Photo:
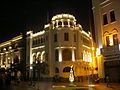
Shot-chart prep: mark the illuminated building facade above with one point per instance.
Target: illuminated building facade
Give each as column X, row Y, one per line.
column 107, row 30
column 12, row 51
column 61, row 44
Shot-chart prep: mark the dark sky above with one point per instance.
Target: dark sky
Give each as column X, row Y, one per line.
column 20, row 16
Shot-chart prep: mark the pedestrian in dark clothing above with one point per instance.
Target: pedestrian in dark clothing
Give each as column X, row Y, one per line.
column 108, row 81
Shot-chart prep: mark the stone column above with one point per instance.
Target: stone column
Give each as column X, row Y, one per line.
column 68, row 23
column 6, row 58
column 62, row 23
column 60, row 55
column 73, row 54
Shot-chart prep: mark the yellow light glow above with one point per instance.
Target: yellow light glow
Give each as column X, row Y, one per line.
column 42, row 55
column 111, row 41
column 29, row 32
column 73, row 55
column 39, row 33
column 8, row 57
column 87, row 57
column 17, row 38
column 83, row 32
column 86, row 46
column 9, row 41
column 60, row 55
column 93, row 48
column 98, row 52
column 65, row 47
column 47, row 25
column 31, row 67
column 59, row 16
column 5, row 43
column 38, row 47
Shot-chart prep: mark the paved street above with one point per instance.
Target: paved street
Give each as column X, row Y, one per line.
column 101, row 86
column 113, row 86
column 62, row 86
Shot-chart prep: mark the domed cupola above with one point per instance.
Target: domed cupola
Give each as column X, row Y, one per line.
column 63, row 20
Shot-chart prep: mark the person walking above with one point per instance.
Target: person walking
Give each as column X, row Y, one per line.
column 108, row 81
column 18, row 77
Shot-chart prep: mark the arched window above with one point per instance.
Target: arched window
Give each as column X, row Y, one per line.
column 115, row 36
column 66, row 36
column 115, row 39
column 55, row 24
column 59, row 23
column 33, row 42
column 65, row 23
column 66, row 69
column 41, row 39
column 34, row 57
column 56, row 55
column 107, row 41
column 71, row 24
column 66, row 55
column 39, row 57
column 106, row 36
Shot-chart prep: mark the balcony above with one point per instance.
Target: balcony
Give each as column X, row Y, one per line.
column 111, row 53
column 111, row 50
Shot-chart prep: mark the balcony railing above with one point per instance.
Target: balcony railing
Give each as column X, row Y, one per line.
column 111, row 50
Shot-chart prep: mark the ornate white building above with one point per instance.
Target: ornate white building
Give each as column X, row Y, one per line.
column 107, row 31
column 12, row 50
column 60, row 44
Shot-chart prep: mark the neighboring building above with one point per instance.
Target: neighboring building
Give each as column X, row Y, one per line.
column 60, row 45
column 12, row 52
column 107, row 31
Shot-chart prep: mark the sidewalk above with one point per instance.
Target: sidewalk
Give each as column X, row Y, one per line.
column 100, row 86
column 49, row 85
column 42, row 85
column 103, row 86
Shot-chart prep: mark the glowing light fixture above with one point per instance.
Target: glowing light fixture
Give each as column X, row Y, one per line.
column 60, row 55
column 71, row 76
column 31, row 67
column 111, row 41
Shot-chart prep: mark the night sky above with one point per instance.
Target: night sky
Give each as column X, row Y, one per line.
column 20, row 16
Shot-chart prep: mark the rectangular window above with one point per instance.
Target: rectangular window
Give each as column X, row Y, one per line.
column 112, row 16
column 56, row 55
column 105, row 20
column 107, row 41
column 55, row 37
column 74, row 37
column 41, row 40
column 115, row 39
column 66, row 36
column 33, row 42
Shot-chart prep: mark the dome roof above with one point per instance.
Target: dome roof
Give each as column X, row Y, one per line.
column 63, row 16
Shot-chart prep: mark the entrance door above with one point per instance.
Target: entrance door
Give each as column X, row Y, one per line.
column 114, row 73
